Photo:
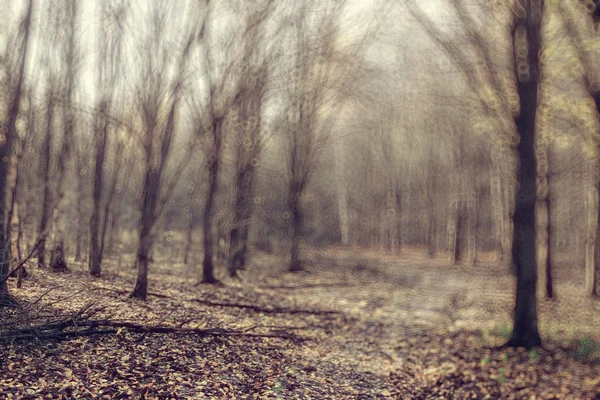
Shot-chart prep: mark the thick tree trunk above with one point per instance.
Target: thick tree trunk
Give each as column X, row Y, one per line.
column 525, row 329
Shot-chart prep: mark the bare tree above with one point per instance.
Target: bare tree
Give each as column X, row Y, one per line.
column 16, row 85
column 160, row 103
column 321, row 73
column 525, row 30
column 581, row 20
column 248, row 134
column 110, row 50
column 221, row 78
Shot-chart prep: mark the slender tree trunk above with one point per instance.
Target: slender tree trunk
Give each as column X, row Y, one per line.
column 96, row 231
column 525, row 330
column 431, row 234
column 22, row 272
column 238, row 236
column 295, row 264
column 592, row 268
column 398, row 221
column 45, row 173
column 476, row 245
column 593, row 249
column 549, row 261
column 207, row 264
column 431, row 222
column 189, row 239
column 80, row 221
column 213, row 171
column 496, row 199
column 341, row 193
column 58, row 262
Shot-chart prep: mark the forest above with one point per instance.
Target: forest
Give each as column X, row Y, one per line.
column 300, row 199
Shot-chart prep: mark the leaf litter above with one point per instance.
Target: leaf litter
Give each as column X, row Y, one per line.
column 355, row 326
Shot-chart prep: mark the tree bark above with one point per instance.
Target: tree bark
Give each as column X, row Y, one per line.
column 213, row 174
column 45, row 173
column 238, row 236
column 189, row 239
column 525, row 329
column 295, row 264
column 593, row 248
column 592, row 268
column 96, row 231
column 57, row 261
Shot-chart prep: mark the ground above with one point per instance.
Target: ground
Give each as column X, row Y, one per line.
column 356, row 325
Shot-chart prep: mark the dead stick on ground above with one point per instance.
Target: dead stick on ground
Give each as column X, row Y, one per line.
column 274, row 310
column 91, row 327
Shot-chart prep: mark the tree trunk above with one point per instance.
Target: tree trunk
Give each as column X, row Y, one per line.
column 207, row 264
column 208, row 275
column 295, row 264
column 238, row 236
column 189, row 239
column 141, row 285
column 398, row 221
column 45, row 172
column 592, row 260
column 525, row 329
column 57, row 261
column 148, row 218
column 80, row 221
column 431, row 234
column 96, row 231
column 592, row 267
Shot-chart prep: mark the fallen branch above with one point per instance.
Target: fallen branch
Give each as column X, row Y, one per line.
column 57, row 331
column 307, row 286
column 273, row 310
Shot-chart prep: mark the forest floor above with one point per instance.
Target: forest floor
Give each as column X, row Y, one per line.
column 355, row 325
